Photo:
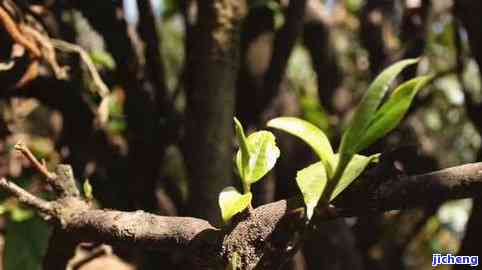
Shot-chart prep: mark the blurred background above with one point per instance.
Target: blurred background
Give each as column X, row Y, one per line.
column 161, row 138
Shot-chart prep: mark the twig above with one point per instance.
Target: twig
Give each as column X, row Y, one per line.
column 48, row 51
column 35, row 162
column 102, row 88
column 27, row 198
column 16, row 34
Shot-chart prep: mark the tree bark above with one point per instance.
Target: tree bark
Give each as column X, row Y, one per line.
column 213, row 69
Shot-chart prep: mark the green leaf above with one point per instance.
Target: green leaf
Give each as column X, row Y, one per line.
column 25, row 244
column 392, row 111
column 309, row 133
column 263, row 154
column 243, row 161
column 87, row 187
column 312, row 181
column 102, row 59
column 355, row 167
column 232, row 202
column 366, row 109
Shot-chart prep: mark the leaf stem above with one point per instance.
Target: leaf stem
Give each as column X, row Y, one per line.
column 333, row 182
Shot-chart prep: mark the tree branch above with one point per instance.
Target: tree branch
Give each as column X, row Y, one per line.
column 26, row 197
column 405, row 192
column 261, row 236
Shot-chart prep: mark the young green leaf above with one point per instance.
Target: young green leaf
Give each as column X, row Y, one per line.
column 307, row 132
column 311, row 181
column 354, row 168
column 368, row 106
column 87, row 187
column 263, row 154
column 243, row 146
column 392, row 111
column 232, row 202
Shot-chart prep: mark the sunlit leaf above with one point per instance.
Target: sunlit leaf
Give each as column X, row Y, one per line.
column 307, row 132
column 392, row 111
column 25, row 244
column 354, row 168
column 263, row 154
column 232, row 202
column 312, row 181
column 243, row 160
column 365, row 111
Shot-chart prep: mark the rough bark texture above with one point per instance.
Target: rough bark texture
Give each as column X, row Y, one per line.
column 210, row 103
column 263, row 238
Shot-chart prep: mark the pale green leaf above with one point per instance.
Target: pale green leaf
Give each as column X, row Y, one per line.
column 368, row 106
column 263, row 154
column 243, row 160
column 312, row 181
column 307, row 132
column 232, row 202
column 355, row 167
column 392, row 111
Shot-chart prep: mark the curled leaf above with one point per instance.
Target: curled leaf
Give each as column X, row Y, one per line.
column 243, row 146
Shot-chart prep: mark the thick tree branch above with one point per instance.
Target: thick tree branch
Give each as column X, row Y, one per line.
column 139, row 228
column 414, row 191
column 265, row 234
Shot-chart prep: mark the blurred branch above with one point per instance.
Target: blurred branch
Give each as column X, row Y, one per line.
column 146, row 138
column 371, row 32
column 284, row 42
column 102, row 88
column 15, row 32
column 152, row 40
